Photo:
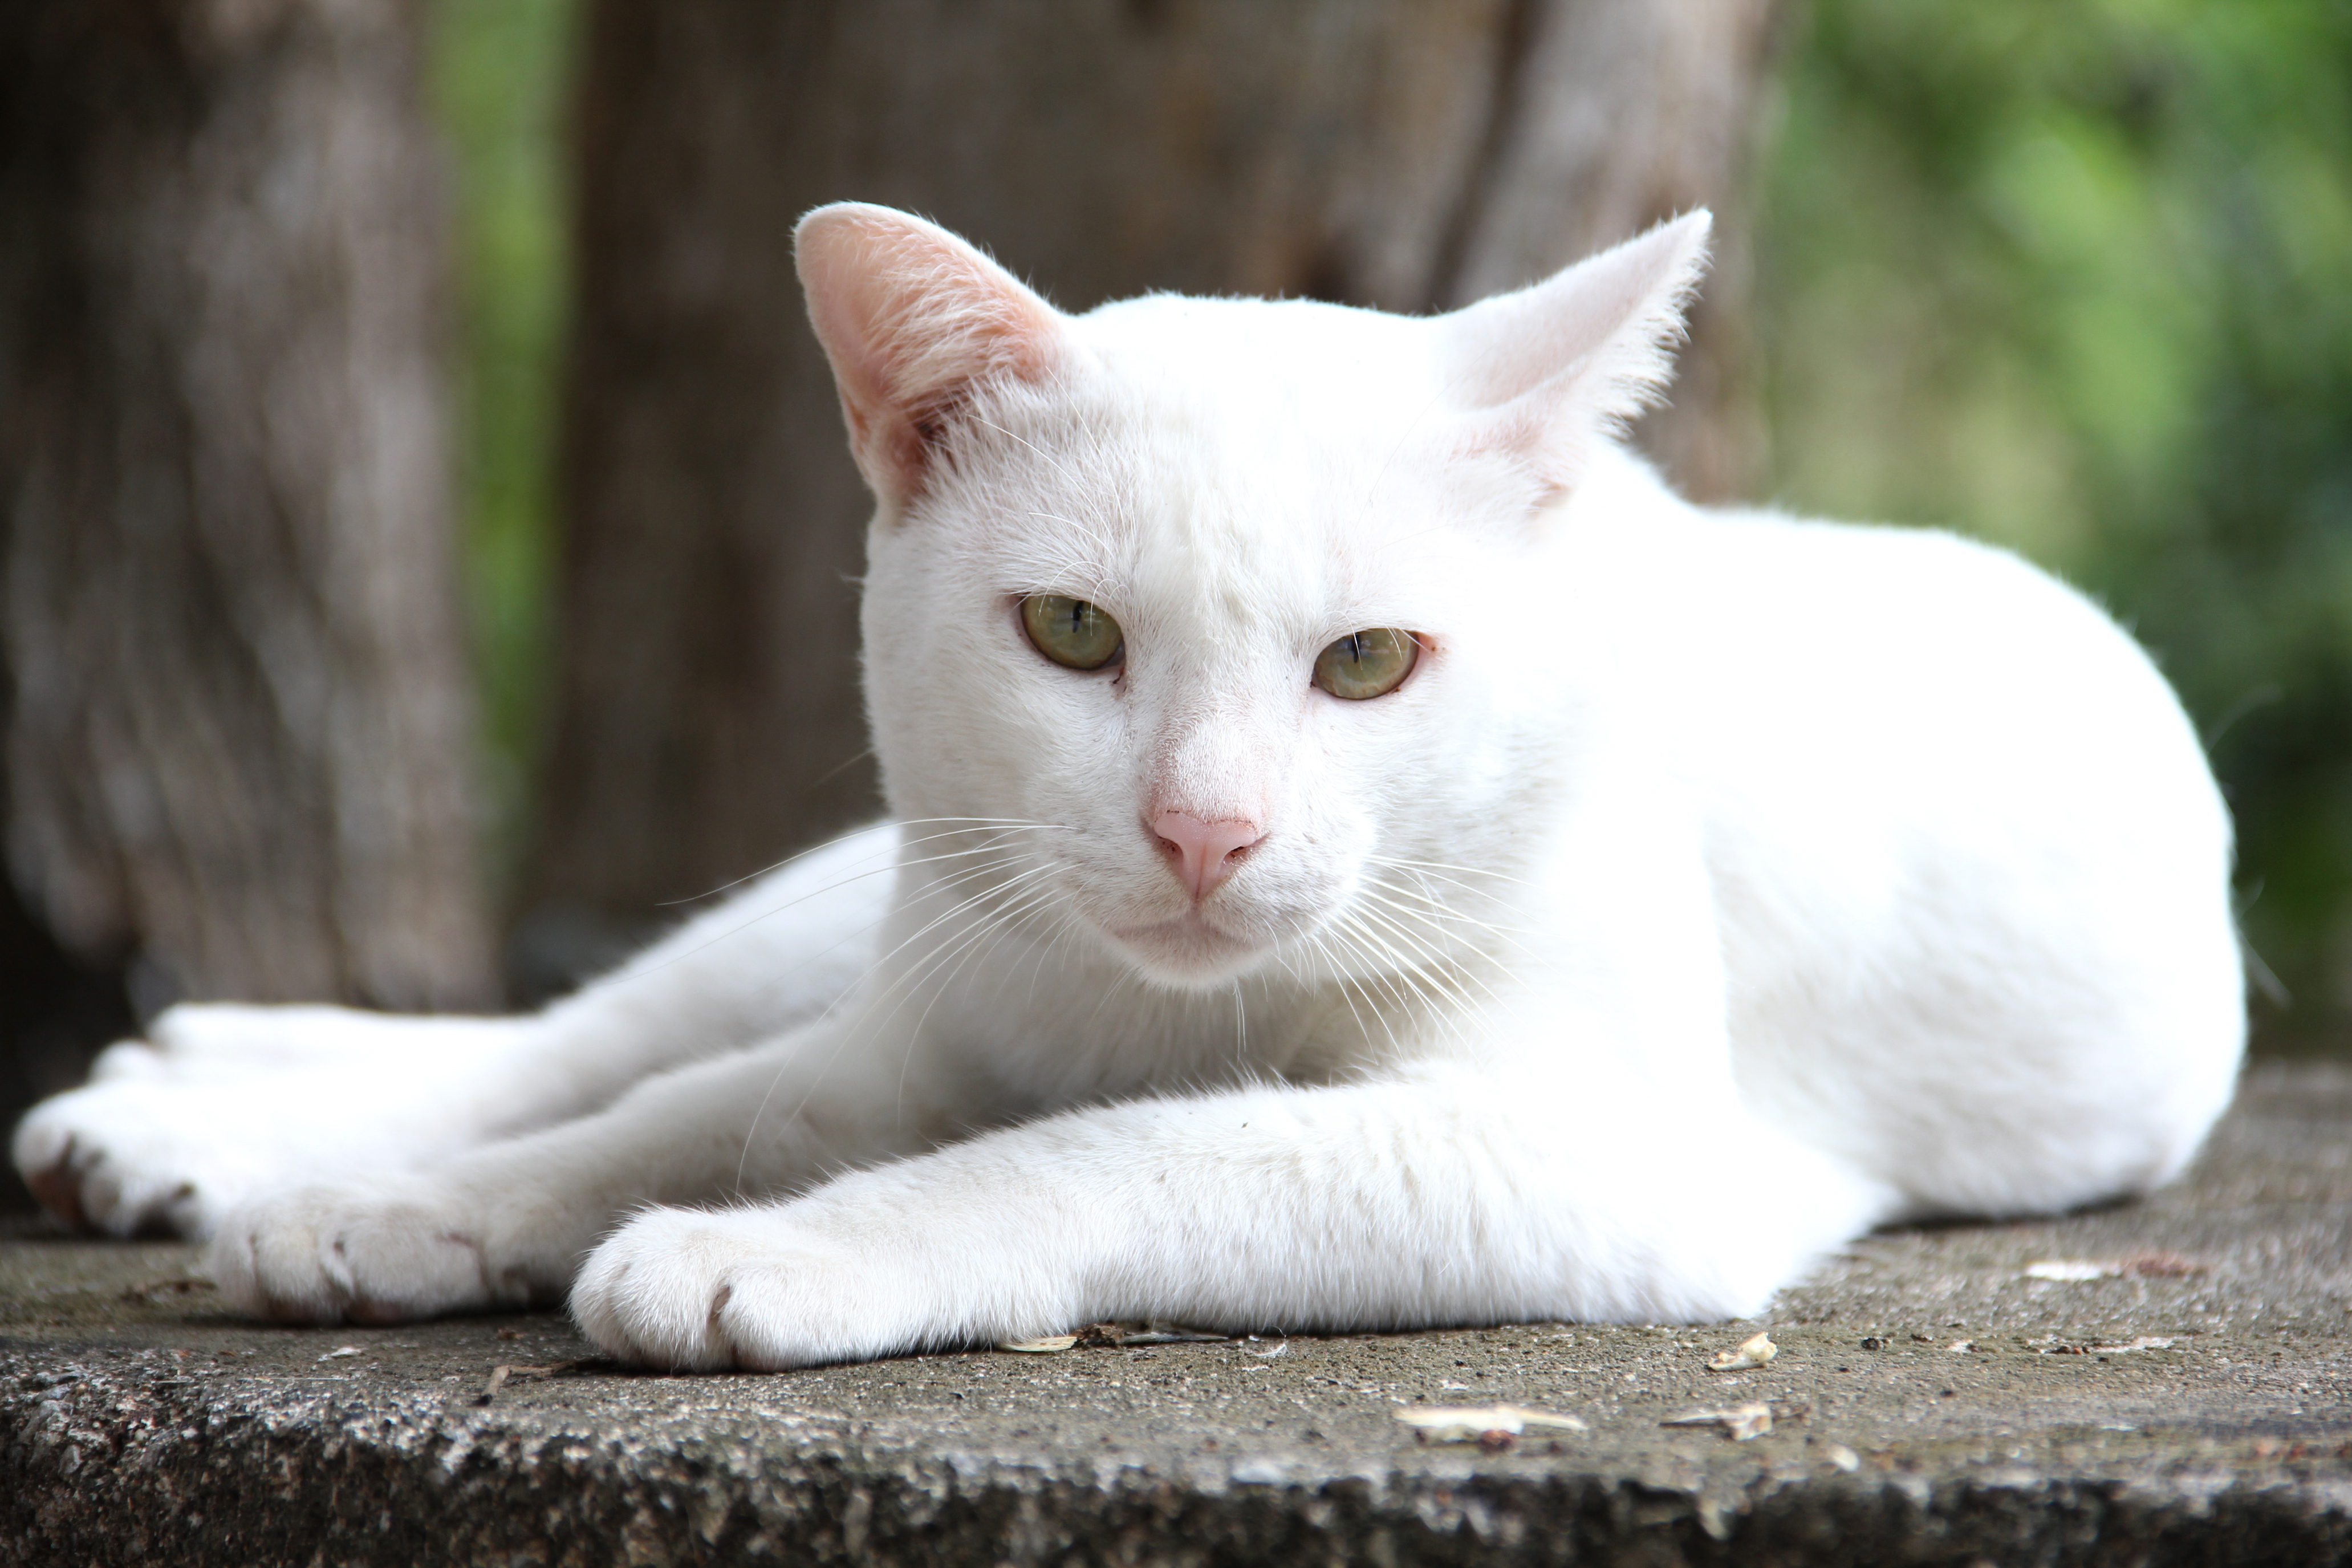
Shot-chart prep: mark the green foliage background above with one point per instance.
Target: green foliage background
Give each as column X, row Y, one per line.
column 499, row 76
column 2074, row 275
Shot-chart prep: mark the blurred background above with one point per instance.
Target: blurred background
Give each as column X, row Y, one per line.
column 426, row 542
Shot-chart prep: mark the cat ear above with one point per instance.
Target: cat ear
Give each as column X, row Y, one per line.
column 1566, row 363
column 913, row 319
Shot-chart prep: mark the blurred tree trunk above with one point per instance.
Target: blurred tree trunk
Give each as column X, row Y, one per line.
column 1393, row 153
column 237, row 712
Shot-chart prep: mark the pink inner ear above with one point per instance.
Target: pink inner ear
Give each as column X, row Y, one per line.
column 913, row 320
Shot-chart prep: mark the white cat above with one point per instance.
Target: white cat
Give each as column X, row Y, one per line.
column 1366, row 855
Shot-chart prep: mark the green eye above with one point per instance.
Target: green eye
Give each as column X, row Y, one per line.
column 1071, row 631
column 1367, row 664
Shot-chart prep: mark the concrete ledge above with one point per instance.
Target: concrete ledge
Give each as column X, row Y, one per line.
column 1932, row 1404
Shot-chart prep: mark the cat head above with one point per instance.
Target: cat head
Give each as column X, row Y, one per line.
column 1229, row 626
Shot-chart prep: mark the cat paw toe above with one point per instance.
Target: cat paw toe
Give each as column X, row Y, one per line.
column 43, row 1150
column 653, row 1291
column 686, row 1290
column 127, row 1061
column 102, row 1159
column 331, row 1254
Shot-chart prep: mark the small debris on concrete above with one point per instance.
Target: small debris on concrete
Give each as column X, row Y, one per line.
column 1961, row 1347
column 1874, row 1343
column 1844, row 1457
column 1269, row 1356
column 1492, row 1427
column 1051, row 1344
column 174, row 1284
column 1114, row 1336
column 2140, row 1265
column 1754, row 1351
column 1173, row 1335
column 499, row 1374
column 2143, row 1343
column 2162, row 1266
column 342, row 1351
column 1742, row 1423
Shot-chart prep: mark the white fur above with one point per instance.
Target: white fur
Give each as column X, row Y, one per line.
column 1718, row 886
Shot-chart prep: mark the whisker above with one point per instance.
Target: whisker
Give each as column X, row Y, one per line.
column 1443, row 865
column 1423, row 896
column 849, row 1034
column 915, row 974
column 996, row 931
column 1322, row 947
column 1448, row 973
column 1438, row 925
column 892, row 865
column 1402, row 974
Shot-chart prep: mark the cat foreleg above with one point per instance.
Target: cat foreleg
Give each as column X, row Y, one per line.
column 221, row 1104
column 1447, row 1196
column 505, row 1225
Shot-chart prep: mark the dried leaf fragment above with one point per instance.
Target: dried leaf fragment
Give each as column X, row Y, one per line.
column 1174, row 1334
column 1489, row 1425
column 500, row 1375
column 1112, row 1335
column 1754, row 1350
column 1741, row 1422
column 1049, row 1345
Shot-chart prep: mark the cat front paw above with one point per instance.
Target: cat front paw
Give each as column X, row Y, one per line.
column 131, row 1156
column 384, row 1253
column 221, row 1104
column 692, row 1291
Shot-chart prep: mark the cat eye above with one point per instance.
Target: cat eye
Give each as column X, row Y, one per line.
column 1367, row 664
column 1071, row 631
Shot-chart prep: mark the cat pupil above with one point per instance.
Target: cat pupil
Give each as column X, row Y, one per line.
column 1071, row 632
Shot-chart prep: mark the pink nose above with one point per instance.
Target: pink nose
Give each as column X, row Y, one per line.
column 1203, row 853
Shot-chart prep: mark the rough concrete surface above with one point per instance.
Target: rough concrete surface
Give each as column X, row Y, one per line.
column 1931, row 1403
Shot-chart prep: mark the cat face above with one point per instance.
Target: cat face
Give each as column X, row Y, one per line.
column 1113, row 553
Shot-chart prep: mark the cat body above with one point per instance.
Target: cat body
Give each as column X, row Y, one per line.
column 1707, row 887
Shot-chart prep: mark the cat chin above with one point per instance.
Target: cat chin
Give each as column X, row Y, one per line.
column 1188, row 953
